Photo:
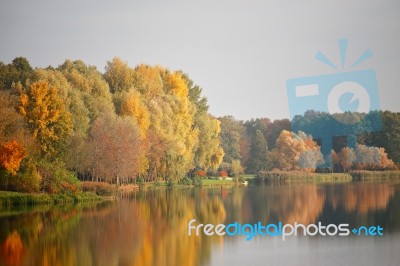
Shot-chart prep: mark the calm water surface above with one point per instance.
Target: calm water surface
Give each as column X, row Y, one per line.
column 150, row 228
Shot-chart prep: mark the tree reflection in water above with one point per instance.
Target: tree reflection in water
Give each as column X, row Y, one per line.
column 150, row 227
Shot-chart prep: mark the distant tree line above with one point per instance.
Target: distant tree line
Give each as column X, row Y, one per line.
column 261, row 144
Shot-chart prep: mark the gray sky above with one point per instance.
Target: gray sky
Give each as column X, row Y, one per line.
column 240, row 52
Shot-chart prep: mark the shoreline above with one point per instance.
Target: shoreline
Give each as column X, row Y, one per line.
column 11, row 198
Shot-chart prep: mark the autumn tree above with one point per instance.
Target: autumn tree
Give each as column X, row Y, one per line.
column 13, row 135
column 148, row 81
column 11, row 155
column 361, row 157
column 93, row 89
column 46, row 116
column 180, row 158
column 295, row 152
column 172, row 117
column 385, row 162
column 342, row 161
column 74, row 99
column 208, row 153
column 134, row 106
column 17, row 148
column 12, row 124
column 118, row 75
column 115, row 149
column 371, row 158
column 76, row 116
column 236, row 168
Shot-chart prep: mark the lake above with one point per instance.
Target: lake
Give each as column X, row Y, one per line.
column 151, row 227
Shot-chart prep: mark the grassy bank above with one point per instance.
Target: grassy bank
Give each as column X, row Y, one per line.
column 18, row 198
column 211, row 182
column 292, row 176
column 375, row 175
column 218, row 182
column 93, row 191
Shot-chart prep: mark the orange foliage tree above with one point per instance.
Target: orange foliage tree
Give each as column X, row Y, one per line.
column 342, row 161
column 11, row 155
column 361, row 158
column 295, row 152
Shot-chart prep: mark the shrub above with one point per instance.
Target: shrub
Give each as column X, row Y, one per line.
column 236, row 169
column 201, row 173
column 157, row 183
column 170, row 183
column 211, row 172
column 197, row 181
column 100, row 188
column 185, row 181
column 223, row 173
column 26, row 180
column 140, row 181
column 56, row 178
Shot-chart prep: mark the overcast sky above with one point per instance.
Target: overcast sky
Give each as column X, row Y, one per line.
column 240, row 52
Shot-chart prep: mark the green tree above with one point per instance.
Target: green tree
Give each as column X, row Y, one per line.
column 18, row 71
column 274, row 129
column 391, row 127
column 230, row 136
column 258, row 153
column 209, row 153
column 12, row 124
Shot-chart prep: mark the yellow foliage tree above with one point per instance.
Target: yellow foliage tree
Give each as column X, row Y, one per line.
column 208, row 154
column 119, row 75
column 46, row 115
column 176, row 85
column 134, row 107
column 148, row 81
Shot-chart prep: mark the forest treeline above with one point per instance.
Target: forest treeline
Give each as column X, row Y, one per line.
column 59, row 125
column 72, row 121
column 263, row 145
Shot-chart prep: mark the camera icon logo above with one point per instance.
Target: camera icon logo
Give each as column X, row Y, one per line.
column 337, row 95
column 354, row 91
